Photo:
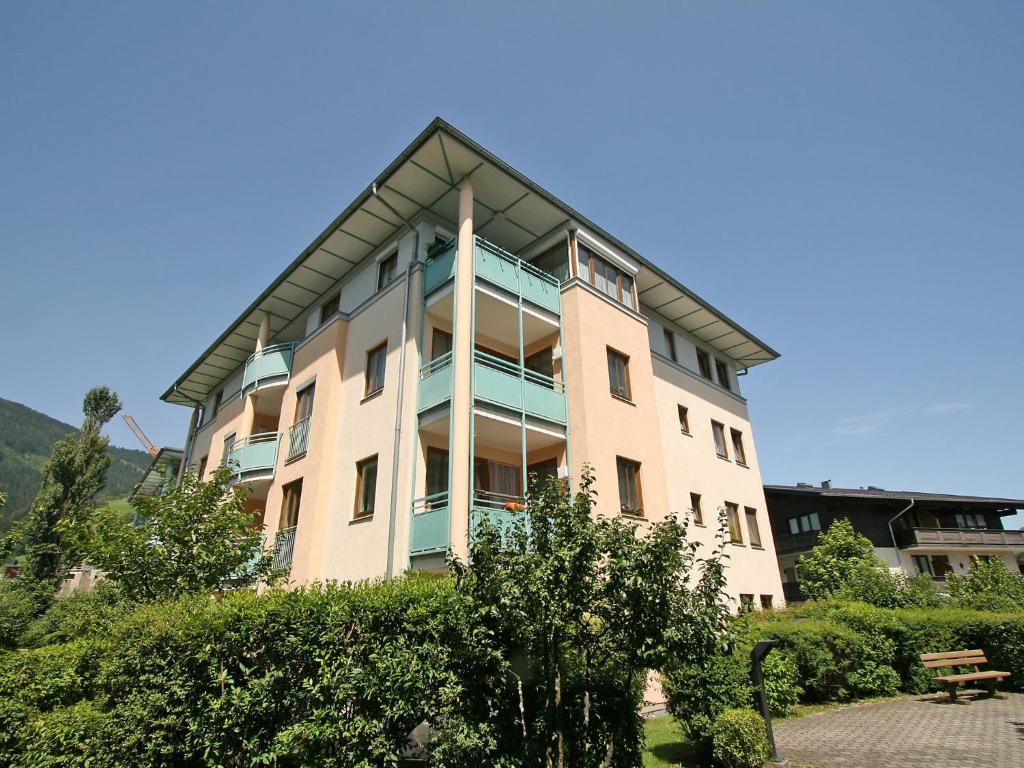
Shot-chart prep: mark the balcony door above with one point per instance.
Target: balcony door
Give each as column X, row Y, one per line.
column 437, row 476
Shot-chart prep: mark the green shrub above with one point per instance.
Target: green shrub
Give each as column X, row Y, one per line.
column 782, row 688
column 16, row 611
column 66, row 737
column 82, row 614
column 739, row 739
column 698, row 694
column 988, row 585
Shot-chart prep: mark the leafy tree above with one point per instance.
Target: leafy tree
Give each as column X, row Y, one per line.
column 582, row 608
column 988, row 585
column 197, row 537
column 50, row 536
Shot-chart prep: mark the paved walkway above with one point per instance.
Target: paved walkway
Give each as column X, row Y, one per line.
column 910, row 732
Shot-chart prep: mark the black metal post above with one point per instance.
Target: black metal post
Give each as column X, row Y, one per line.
column 761, row 649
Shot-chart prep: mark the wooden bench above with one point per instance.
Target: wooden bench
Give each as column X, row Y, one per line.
column 957, row 659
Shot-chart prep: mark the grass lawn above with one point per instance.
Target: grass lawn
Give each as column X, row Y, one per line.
column 122, row 507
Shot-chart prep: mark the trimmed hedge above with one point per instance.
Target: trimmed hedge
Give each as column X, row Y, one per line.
column 332, row 676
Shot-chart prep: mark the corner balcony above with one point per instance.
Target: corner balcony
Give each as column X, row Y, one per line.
column 959, row 537
column 255, row 457
column 430, row 524
column 500, row 268
column 268, row 367
column 497, row 509
column 506, row 384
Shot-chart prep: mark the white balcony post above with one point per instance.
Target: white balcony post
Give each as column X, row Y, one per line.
column 462, row 379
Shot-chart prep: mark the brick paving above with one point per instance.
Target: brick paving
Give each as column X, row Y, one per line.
column 910, row 732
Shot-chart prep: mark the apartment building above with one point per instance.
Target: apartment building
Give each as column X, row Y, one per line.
column 916, row 532
column 453, row 332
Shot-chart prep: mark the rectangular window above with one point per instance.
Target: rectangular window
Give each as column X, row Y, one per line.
column 330, row 308
column 554, row 261
column 735, row 531
column 746, row 603
column 493, row 477
column 718, row 430
column 387, row 270
column 670, row 345
column 229, row 443
column 541, row 473
column 753, row 529
column 218, row 401
column 922, row 565
column 737, row 447
column 804, row 523
column 618, row 374
column 366, row 486
column 375, row 361
column 304, row 403
column 202, row 467
column 603, row 276
column 440, row 343
column 766, row 602
column 970, row 520
column 941, row 566
column 541, row 362
column 630, row 501
column 437, row 476
column 698, row 513
column 722, row 370
column 704, row 364
column 292, row 495
column 794, row 525
column 684, row 419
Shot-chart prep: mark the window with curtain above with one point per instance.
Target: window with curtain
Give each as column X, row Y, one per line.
column 608, row 279
column 630, row 501
column 497, row 478
column 375, row 362
column 304, row 403
column 618, row 374
column 366, row 486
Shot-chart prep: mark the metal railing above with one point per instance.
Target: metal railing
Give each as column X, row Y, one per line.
column 501, row 502
column 430, row 503
column 517, row 262
column 438, row 363
column 254, row 454
column 298, row 438
column 519, row 372
column 270, row 365
column 284, row 548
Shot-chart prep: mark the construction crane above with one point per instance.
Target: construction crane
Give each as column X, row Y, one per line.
column 146, row 443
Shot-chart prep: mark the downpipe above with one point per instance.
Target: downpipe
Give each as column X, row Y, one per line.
column 892, row 533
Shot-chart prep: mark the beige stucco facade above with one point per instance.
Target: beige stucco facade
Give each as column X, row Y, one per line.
column 495, row 364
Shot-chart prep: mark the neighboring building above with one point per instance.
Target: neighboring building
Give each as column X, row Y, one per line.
column 930, row 533
column 455, row 330
column 161, row 473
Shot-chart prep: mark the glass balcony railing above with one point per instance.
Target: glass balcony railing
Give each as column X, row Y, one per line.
column 440, row 268
column 270, row 366
column 255, row 457
column 284, row 548
column 503, row 269
column 430, row 524
column 511, row 386
column 435, row 382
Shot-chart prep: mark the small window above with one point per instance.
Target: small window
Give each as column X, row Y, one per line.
column 735, row 531
column 722, row 370
column 746, row 603
column 330, row 308
column 618, row 374
column 766, row 602
column 218, row 401
column 603, row 276
column 753, row 529
column 375, row 361
column 804, row 523
column 794, row 525
column 718, row 430
column 670, row 344
column 366, row 486
column 292, row 495
column 202, row 467
column 922, row 564
column 737, row 447
column 304, row 403
column 684, row 419
column 387, row 270
column 698, row 513
column 704, row 364
column 630, row 501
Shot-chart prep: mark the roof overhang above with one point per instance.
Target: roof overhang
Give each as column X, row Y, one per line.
column 510, row 209
column 933, row 500
column 156, row 474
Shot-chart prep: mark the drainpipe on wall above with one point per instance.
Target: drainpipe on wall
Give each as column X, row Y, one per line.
column 396, row 453
column 892, row 534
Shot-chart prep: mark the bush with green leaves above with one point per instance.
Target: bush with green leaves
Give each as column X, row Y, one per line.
column 988, row 585
column 782, row 687
column 89, row 613
column 739, row 739
column 17, row 608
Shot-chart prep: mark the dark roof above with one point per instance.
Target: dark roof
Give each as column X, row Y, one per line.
column 879, row 494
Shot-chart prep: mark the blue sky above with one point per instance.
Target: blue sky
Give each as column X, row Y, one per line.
column 844, row 179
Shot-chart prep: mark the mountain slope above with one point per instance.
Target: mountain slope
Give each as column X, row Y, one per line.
column 26, row 440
